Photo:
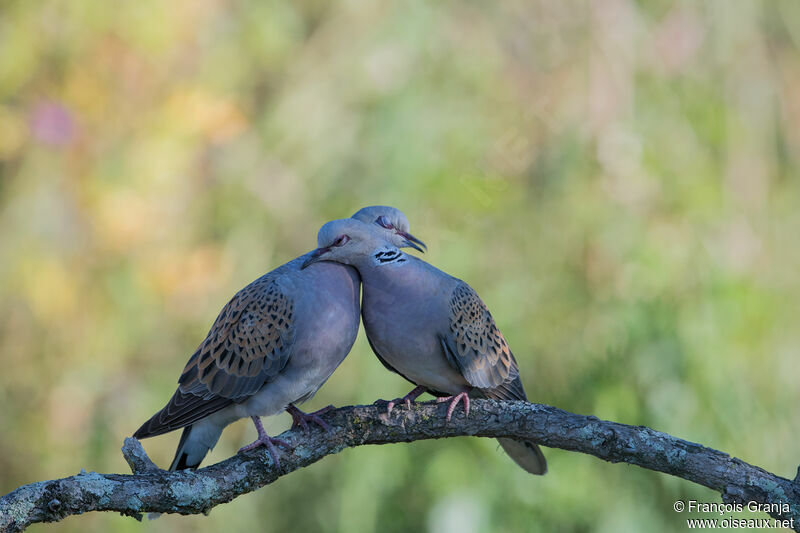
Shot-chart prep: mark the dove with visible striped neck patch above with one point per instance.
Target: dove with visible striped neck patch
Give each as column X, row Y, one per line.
column 273, row 345
column 429, row 327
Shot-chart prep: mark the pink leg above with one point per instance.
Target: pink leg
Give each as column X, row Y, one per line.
column 408, row 399
column 267, row 441
column 299, row 418
column 453, row 402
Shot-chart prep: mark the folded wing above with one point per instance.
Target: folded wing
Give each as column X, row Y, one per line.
column 247, row 346
column 474, row 344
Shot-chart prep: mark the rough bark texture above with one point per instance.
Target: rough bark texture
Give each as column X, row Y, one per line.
column 189, row 492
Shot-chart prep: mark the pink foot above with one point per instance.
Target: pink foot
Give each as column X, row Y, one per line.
column 301, row 419
column 408, row 399
column 266, row 440
column 462, row 396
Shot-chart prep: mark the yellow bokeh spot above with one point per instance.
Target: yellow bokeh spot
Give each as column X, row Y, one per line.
column 13, row 133
column 214, row 117
column 186, row 276
column 49, row 288
column 124, row 219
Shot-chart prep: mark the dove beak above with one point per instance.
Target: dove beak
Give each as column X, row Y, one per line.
column 412, row 241
column 315, row 256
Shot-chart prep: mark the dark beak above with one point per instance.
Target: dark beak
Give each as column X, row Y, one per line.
column 315, row 256
column 412, row 241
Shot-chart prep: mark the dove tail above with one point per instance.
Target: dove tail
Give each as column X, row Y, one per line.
column 179, row 462
column 525, row 453
column 196, row 441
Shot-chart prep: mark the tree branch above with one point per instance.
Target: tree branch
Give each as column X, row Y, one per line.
column 190, row 492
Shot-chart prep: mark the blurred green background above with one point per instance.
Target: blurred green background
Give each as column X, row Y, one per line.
column 618, row 180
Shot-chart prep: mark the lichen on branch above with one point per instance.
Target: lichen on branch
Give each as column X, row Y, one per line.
column 150, row 489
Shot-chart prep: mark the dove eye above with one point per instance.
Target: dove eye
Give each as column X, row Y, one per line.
column 342, row 239
column 384, row 222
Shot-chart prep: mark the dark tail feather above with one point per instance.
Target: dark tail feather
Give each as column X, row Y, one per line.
column 196, row 441
column 179, row 462
column 525, row 453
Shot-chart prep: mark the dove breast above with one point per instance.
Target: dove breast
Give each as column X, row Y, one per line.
column 326, row 319
column 402, row 306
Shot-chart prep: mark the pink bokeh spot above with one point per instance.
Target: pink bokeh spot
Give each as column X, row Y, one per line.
column 51, row 124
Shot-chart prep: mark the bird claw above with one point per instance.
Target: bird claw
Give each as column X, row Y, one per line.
column 266, row 440
column 301, row 419
column 408, row 399
column 269, row 443
column 460, row 397
column 390, row 405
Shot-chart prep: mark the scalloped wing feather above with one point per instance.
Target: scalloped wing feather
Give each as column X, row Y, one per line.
column 248, row 344
column 474, row 344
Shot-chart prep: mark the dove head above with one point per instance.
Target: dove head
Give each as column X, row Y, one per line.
column 351, row 242
column 391, row 222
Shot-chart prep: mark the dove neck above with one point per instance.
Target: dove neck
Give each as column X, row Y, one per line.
column 382, row 266
column 384, row 256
